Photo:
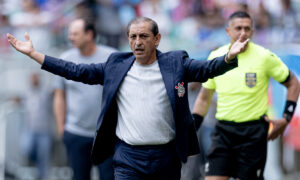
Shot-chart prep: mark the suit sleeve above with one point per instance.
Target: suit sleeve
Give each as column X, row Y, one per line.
column 201, row 71
column 210, row 83
column 85, row 73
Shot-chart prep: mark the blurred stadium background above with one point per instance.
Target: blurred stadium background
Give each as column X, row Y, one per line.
column 197, row 26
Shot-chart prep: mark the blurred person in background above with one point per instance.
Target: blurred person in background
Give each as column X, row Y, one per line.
column 5, row 27
column 30, row 18
column 111, row 30
column 194, row 168
column 37, row 142
column 86, row 9
column 159, row 11
column 12, row 120
column 77, row 105
column 239, row 140
column 145, row 122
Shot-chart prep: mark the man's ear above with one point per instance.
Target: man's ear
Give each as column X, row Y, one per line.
column 227, row 30
column 157, row 39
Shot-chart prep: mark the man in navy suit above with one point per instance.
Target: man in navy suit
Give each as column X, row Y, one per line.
column 145, row 122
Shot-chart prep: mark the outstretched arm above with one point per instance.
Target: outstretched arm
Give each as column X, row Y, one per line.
column 26, row 48
column 293, row 90
column 201, row 71
column 86, row 73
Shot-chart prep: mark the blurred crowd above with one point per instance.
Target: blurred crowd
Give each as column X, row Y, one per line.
column 198, row 26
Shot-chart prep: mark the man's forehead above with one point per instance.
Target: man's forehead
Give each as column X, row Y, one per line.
column 77, row 24
column 240, row 21
column 140, row 27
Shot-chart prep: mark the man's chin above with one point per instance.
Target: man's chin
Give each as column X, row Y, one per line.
column 139, row 55
column 139, row 58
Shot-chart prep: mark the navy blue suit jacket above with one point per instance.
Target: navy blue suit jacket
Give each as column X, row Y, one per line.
column 175, row 66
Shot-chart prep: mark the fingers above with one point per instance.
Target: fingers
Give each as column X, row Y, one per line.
column 241, row 44
column 242, row 37
column 8, row 35
column 271, row 137
column 273, row 134
column 246, row 41
column 244, row 45
column 11, row 39
column 276, row 129
column 27, row 36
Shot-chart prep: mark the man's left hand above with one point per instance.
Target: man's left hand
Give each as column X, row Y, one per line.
column 278, row 127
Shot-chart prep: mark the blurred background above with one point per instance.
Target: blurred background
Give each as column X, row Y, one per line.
column 197, row 26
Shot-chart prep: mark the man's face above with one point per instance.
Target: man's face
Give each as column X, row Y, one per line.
column 239, row 27
column 143, row 42
column 77, row 35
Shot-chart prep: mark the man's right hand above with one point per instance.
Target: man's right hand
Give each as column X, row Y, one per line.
column 26, row 48
column 23, row 47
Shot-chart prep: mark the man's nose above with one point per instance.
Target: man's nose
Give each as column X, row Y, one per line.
column 242, row 32
column 138, row 41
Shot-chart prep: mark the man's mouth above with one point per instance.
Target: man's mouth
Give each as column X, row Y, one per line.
column 139, row 50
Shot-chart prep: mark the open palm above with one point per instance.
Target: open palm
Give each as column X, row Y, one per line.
column 23, row 47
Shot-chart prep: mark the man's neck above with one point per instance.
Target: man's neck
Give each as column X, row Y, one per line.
column 148, row 61
column 88, row 49
column 142, row 62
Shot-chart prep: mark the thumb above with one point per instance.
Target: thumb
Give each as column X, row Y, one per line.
column 8, row 35
column 246, row 41
column 242, row 37
column 27, row 37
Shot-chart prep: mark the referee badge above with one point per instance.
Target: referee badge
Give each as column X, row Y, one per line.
column 250, row 79
column 180, row 88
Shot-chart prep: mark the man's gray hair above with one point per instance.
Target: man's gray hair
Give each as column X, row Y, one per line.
column 153, row 28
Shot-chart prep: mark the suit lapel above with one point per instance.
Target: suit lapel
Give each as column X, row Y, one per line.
column 166, row 69
column 121, row 70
